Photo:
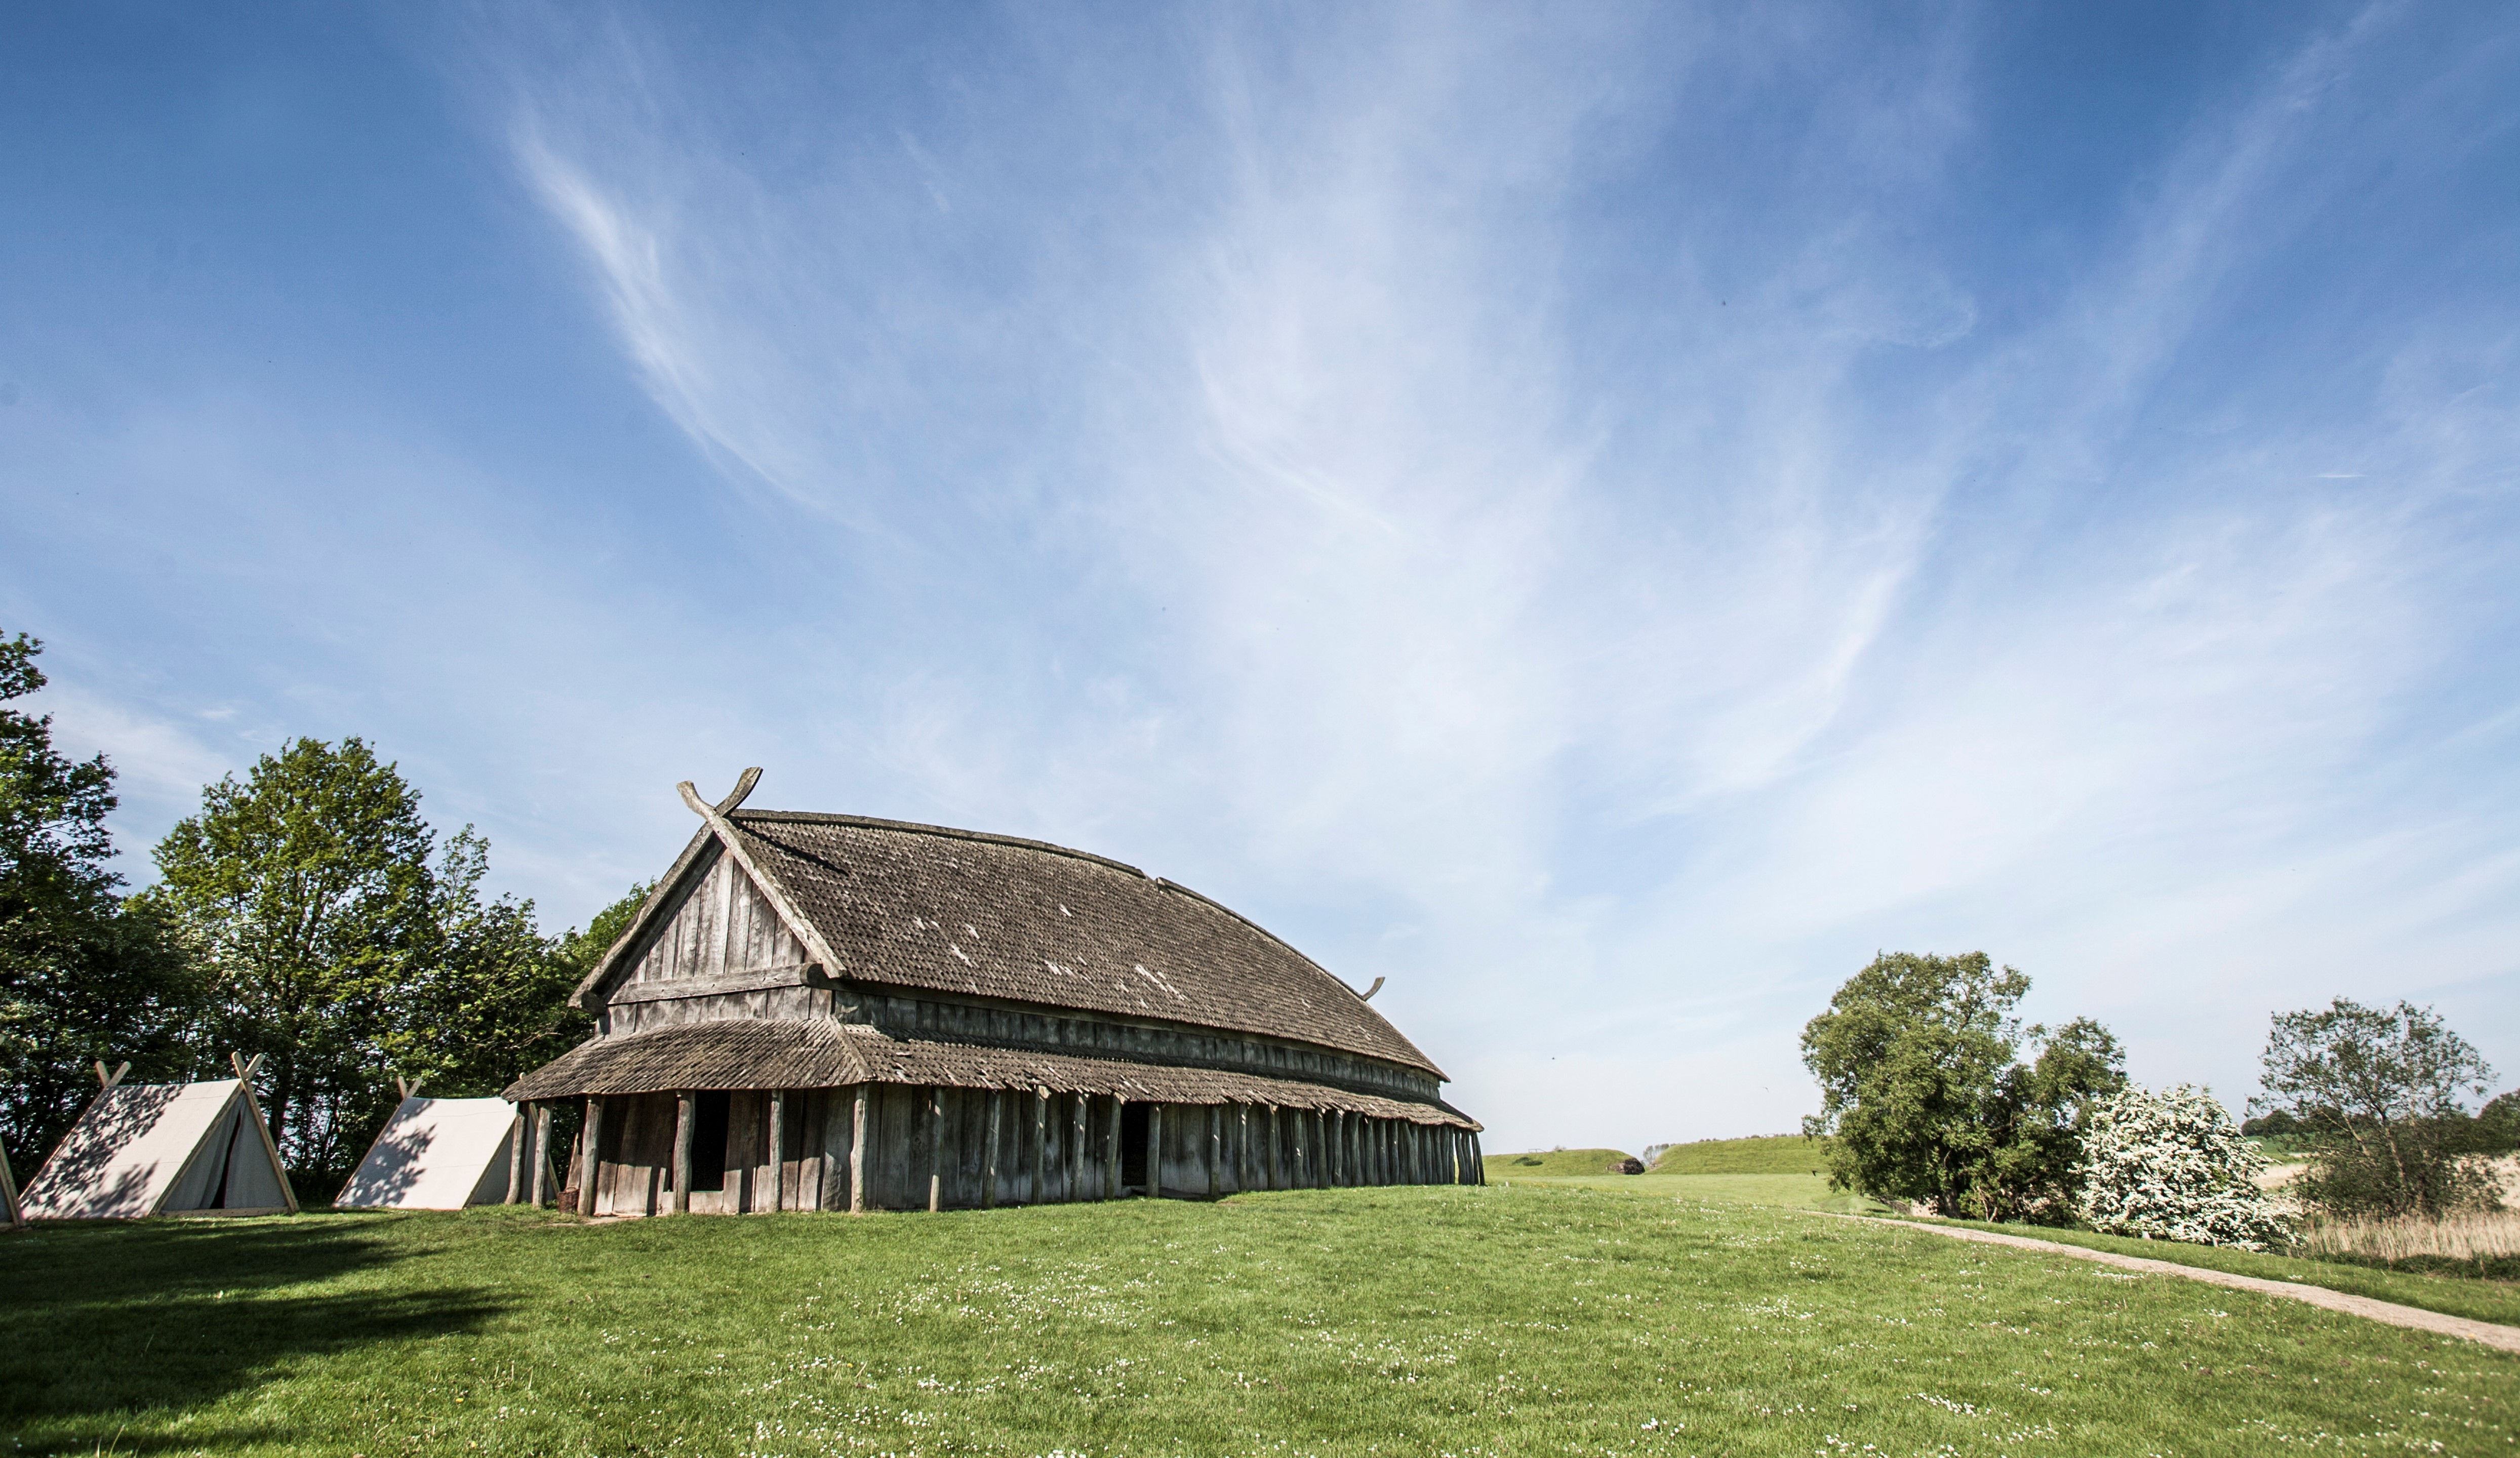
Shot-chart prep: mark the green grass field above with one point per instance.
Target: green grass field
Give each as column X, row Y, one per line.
column 1541, row 1318
column 1553, row 1162
column 2478, row 1301
column 1774, row 1154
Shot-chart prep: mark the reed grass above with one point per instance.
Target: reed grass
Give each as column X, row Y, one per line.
column 2493, row 1234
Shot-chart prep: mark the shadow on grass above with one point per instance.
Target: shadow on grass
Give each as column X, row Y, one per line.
column 108, row 1322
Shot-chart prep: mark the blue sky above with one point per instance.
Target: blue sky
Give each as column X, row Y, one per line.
column 1604, row 517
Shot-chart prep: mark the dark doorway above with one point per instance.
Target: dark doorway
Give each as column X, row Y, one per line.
column 1133, row 1145
column 709, row 1140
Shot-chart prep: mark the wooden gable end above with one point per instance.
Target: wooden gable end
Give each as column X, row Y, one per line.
column 722, row 950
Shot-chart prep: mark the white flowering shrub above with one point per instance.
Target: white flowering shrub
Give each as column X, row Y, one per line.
column 2168, row 1163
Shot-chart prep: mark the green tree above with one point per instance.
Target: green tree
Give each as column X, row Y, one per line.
column 581, row 951
column 2380, row 1093
column 490, row 1000
column 2498, row 1125
column 83, row 975
column 306, row 891
column 1923, row 1098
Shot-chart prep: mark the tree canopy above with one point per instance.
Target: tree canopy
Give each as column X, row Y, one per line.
column 350, row 946
column 1922, row 1096
column 2381, row 1094
column 83, row 974
column 305, row 890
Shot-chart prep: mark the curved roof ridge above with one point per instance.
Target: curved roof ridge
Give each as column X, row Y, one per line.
column 1291, row 949
column 920, row 827
column 992, row 837
column 1213, row 966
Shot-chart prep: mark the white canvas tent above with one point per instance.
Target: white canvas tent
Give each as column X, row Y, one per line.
column 8, row 1194
column 437, row 1154
column 153, row 1149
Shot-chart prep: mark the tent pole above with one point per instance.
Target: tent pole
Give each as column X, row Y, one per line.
column 245, row 1082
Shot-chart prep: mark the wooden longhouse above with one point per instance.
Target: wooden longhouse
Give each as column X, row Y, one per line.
column 829, row 1012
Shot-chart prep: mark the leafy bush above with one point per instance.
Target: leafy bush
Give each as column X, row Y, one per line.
column 2170, row 1164
column 1923, row 1096
column 2380, row 1092
column 2498, row 1125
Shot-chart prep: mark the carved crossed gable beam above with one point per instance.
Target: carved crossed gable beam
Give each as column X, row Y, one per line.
column 770, row 890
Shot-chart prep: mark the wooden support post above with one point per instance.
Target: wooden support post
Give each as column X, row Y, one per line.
column 1112, row 1176
column 778, row 1153
column 1214, row 1155
column 989, row 1158
column 1242, row 1147
column 1478, row 1161
column 935, row 1150
column 1271, row 1174
column 541, row 1176
column 686, row 1114
column 1040, row 1191
column 1343, row 1148
column 856, row 1152
column 1076, row 1116
column 592, row 1138
column 1155, row 1151
column 516, row 1156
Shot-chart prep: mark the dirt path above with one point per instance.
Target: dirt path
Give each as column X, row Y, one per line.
column 2507, row 1337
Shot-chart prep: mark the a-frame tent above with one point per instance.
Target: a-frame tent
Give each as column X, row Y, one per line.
column 438, row 1153
column 159, row 1149
column 8, row 1194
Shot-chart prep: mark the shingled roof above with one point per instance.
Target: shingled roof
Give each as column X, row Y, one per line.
column 974, row 914
column 763, row 1053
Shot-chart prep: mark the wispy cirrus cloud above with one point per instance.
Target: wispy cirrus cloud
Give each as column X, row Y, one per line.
column 1416, row 484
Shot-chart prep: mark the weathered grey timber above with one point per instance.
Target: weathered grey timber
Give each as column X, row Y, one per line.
column 844, row 1007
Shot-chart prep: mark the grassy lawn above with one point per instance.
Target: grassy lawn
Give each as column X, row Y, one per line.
column 1774, row 1154
column 1553, row 1162
column 2478, row 1301
column 1536, row 1319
